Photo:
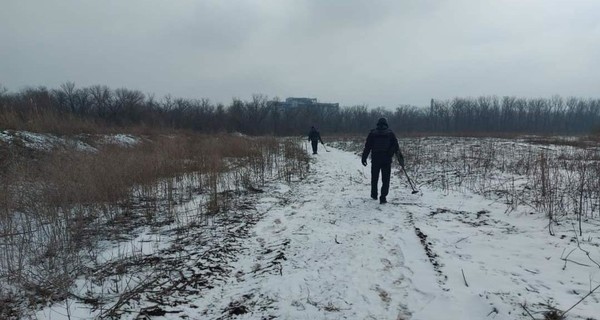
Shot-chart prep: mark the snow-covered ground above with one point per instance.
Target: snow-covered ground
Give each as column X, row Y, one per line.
column 323, row 249
column 124, row 140
column 48, row 141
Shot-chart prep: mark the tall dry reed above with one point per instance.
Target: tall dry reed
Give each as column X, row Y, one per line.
column 55, row 206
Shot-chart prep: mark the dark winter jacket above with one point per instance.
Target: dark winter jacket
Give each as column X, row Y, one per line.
column 381, row 143
column 314, row 135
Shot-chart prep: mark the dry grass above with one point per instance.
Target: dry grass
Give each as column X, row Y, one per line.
column 559, row 180
column 56, row 205
column 46, row 120
column 556, row 176
column 42, row 120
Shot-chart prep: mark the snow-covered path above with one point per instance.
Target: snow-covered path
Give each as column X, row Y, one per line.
column 341, row 255
column 326, row 250
column 323, row 249
column 345, row 254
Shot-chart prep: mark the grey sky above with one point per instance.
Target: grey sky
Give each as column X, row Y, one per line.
column 380, row 53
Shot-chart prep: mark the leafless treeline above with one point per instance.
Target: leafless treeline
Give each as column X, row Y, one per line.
column 510, row 114
column 35, row 109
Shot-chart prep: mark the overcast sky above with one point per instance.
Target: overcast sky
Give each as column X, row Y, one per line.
column 379, row 53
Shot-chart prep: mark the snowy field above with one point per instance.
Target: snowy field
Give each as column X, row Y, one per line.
column 323, row 249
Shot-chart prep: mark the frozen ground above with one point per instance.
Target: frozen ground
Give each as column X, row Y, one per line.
column 48, row 142
column 323, row 249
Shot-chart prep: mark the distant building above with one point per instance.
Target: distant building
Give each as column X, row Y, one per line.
column 302, row 102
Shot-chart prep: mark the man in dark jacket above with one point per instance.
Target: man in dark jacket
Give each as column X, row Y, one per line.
column 314, row 137
column 382, row 144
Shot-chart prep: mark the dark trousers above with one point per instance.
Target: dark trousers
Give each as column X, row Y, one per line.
column 385, row 166
column 314, row 146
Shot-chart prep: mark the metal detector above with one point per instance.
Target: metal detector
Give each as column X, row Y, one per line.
column 414, row 191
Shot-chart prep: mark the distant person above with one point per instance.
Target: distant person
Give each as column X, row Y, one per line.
column 314, row 137
column 383, row 145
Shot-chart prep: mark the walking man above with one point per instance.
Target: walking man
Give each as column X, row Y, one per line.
column 382, row 144
column 314, row 137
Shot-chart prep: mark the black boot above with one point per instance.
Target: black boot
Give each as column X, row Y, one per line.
column 374, row 196
column 382, row 200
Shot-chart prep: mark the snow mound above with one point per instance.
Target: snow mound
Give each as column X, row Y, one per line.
column 48, row 142
column 120, row 139
column 43, row 141
column 5, row 137
column 38, row 141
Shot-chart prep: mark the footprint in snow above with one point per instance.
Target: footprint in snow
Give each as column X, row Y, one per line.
column 387, row 264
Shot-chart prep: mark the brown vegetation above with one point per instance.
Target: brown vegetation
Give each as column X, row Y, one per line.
column 55, row 206
column 556, row 176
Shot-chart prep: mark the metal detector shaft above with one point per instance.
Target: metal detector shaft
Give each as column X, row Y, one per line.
column 409, row 181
